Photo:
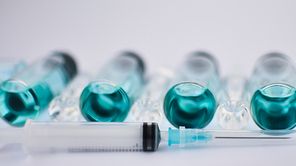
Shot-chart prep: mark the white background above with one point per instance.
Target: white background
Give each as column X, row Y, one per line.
column 163, row 32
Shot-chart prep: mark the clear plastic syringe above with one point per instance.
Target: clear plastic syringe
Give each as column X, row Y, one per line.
column 105, row 136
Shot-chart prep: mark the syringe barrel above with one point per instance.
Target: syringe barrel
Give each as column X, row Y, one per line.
column 86, row 136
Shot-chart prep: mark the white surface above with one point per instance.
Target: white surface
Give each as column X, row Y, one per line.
column 236, row 32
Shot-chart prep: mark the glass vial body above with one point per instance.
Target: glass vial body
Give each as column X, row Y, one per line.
column 24, row 95
column 191, row 102
column 65, row 107
column 233, row 111
column 148, row 108
column 273, row 105
column 118, row 85
column 8, row 68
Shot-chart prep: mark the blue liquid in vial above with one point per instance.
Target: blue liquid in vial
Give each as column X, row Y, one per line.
column 20, row 101
column 110, row 100
column 190, row 105
column 104, row 102
column 273, row 107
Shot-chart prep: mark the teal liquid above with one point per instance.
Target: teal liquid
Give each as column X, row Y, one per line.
column 274, row 107
column 30, row 91
column 19, row 105
column 189, row 105
column 104, row 102
column 19, row 102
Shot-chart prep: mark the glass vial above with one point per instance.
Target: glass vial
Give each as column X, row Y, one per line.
column 27, row 93
column 148, row 108
column 233, row 112
column 191, row 101
column 273, row 105
column 65, row 107
column 118, row 85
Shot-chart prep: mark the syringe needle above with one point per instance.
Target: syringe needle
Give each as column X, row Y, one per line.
column 193, row 137
column 252, row 137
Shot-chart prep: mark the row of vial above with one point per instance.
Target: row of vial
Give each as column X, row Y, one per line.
column 188, row 97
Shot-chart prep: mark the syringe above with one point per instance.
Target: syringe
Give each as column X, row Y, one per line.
column 106, row 136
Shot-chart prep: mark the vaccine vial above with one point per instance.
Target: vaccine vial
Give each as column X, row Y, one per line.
column 191, row 101
column 273, row 105
column 9, row 67
column 117, row 86
column 233, row 110
column 65, row 107
column 24, row 95
column 148, row 108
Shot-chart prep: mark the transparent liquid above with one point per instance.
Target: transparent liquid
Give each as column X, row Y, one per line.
column 233, row 109
column 189, row 105
column 146, row 111
column 64, row 109
column 232, row 115
column 274, row 107
column 104, row 102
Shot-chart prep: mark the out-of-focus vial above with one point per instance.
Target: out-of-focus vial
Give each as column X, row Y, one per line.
column 65, row 107
column 118, row 85
column 9, row 67
column 233, row 111
column 191, row 102
column 273, row 105
column 148, row 108
column 24, row 95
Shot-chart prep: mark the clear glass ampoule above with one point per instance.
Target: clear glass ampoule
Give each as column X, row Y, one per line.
column 191, row 102
column 24, row 95
column 9, row 67
column 273, row 105
column 118, row 85
column 65, row 107
column 148, row 108
column 233, row 111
